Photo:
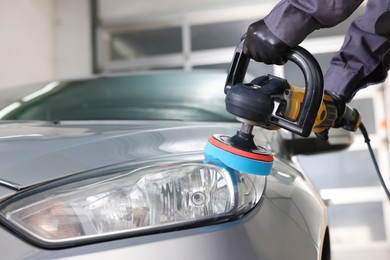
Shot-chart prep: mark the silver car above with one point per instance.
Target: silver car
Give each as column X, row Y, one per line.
column 113, row 168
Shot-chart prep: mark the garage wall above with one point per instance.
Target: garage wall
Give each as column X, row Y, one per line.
column 116, row 9
column 41, row 40
column 72, row 39
column 26, row 41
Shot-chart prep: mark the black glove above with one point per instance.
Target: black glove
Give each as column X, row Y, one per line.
column 263, row 46
column 340, row 104
column 347, row 117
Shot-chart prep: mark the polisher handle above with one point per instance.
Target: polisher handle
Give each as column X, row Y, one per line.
column 313, row 92
column 238, row 67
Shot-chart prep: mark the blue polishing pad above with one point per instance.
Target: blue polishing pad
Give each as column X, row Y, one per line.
column 238, row 162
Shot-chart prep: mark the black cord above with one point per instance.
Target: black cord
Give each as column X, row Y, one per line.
column 367, row 140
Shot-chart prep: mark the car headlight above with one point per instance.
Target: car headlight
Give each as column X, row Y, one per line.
column 105, row 203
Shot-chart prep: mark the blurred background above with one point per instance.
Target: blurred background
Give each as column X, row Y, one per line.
column 42, row 40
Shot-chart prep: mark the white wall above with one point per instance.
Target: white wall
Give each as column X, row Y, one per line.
column 116, row 9
column 26, row 41
column 41, row 40
column 72, row 34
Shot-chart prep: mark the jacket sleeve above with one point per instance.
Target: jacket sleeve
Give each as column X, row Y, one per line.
column 292, row 20
column 364, row 58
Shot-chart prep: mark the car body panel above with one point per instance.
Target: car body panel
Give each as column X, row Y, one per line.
column 289, row 222
column 5, row 191
column 54, row 151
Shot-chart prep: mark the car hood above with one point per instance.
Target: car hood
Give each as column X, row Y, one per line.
column 36, row 152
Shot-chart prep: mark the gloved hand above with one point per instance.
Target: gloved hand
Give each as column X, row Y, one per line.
column 263, row 46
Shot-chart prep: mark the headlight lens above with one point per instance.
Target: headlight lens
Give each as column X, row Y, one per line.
column 132, row 201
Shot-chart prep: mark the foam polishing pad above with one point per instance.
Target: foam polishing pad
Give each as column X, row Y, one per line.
column 254, row 161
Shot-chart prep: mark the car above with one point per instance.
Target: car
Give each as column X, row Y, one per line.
column 113, row 167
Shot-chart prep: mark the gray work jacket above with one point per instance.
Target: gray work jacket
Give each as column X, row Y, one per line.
column 363, row 59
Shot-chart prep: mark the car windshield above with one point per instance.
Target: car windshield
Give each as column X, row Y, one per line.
column 184, row 96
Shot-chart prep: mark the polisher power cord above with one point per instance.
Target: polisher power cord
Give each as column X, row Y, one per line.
column 367, row 140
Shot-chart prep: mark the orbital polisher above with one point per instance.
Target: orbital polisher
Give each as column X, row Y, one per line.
column 269, row 102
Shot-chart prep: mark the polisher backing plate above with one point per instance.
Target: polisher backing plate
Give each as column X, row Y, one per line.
column 254, row 161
